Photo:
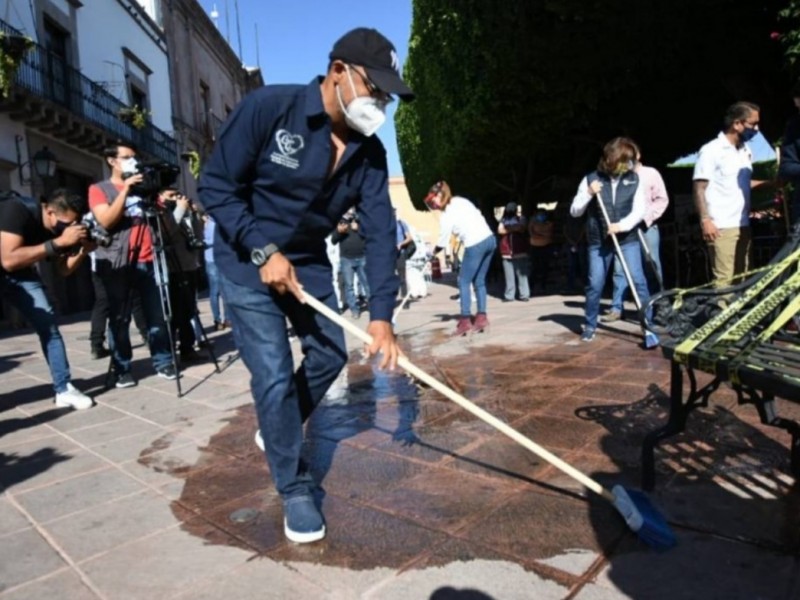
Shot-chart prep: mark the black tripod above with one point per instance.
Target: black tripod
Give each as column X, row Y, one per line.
column 152, row 221
column 170, row 259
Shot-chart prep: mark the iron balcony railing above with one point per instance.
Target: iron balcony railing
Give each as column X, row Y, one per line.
column 48, row 76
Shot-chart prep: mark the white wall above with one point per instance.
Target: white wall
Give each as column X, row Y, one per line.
column 104, row 28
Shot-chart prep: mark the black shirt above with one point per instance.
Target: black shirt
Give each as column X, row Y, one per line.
column 17, row 218
column 351, row 244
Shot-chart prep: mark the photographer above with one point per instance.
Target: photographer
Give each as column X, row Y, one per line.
column 128, row 263
column 31, row 232
column 353, row 259
column 182, row 232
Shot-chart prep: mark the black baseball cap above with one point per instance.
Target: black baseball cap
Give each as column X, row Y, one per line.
column 370, row 49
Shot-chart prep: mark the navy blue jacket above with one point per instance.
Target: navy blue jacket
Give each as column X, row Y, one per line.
column 617, row 209
column 266, row 182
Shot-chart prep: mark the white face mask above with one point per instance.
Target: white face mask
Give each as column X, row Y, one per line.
column 128, row 166
column 364, row 114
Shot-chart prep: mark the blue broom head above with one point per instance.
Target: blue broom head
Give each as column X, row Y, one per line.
column 643, row 518
column 651, row 340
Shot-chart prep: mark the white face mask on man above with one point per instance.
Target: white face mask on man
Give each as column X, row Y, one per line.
column 364, row 114
column 129, row 166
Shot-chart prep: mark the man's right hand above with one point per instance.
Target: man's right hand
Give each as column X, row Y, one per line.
column 72, row 236
column 341, row 228
column 710, row 231
column 131, row 181
column 595, row 187
column 278, row 273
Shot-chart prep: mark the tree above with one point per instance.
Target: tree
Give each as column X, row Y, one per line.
column 514, row 95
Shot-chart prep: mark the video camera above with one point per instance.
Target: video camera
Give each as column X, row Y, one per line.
column 96, row 233
column 156, row 176
column 192, row 241
column 348, row 218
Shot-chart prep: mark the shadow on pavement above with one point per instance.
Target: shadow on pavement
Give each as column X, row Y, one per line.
column 724, row 487
column 16, row 468
column 8, row 362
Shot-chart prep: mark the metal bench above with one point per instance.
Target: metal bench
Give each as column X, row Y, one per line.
column 740, row 334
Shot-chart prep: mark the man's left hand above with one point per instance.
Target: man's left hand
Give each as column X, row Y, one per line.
column 613, row 228
column 383, row 342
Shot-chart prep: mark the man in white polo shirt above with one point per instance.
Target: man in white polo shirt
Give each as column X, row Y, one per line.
column 722, row 183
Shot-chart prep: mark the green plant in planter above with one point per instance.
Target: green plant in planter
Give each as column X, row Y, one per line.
column 194, row 163
column 135, row 115
column 12, row 49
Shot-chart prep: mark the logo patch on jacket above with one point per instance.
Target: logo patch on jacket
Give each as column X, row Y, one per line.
column 288, row 145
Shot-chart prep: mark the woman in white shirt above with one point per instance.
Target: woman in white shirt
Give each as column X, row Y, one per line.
column 616, row 185
column 461, row 218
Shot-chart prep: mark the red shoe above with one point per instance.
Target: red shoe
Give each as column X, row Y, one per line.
column 481, row 323
column 463, row 327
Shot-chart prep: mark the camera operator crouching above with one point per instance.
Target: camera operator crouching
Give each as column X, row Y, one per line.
column 30, row 232
column 183, row 240
column 127, row 262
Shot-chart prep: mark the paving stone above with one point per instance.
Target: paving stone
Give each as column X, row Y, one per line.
column 75, row 494
column 26, row 556
column 135, row 446
column 103, row 527
column 79, row 419
column 64, row 585
column 43, row 467
column 11, row 519
column 107, row 432
column 147, row 568
column 259, row 578
column 700, row 566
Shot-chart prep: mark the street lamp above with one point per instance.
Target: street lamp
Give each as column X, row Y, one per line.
column 43, row 163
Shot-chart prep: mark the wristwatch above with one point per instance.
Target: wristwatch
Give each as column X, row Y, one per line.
column 260, row 256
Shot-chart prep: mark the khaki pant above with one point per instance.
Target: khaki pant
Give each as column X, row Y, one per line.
column 730, row 253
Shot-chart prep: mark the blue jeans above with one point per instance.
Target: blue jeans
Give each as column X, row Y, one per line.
column 515, row 272
column 118, row 284
column 284, row 398
column 474, row 267
column 653, row 241
column 29, row 297
column 214, row 296
column 600, row 258
column 351, row 267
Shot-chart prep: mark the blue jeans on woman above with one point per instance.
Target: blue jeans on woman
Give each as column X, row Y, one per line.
column 600, row 259
column 214, row 296
column 653, row 241
column 474, row 267
column 28, row 296
column 284, row 398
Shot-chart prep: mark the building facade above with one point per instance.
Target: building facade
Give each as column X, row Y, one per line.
column 208, row 80
column 72, row 95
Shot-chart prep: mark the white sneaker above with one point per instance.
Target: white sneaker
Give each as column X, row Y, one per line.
column 259, row 440
column 74, row 398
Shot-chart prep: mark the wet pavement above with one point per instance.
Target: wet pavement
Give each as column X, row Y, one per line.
column 152, row 496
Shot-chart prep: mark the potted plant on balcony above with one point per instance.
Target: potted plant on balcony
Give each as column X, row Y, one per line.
column 135, row 116
column 194, row 163
column 12, row 48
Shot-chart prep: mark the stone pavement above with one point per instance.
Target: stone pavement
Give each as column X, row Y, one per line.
column 148, row 495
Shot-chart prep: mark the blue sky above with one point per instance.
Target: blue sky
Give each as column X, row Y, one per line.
column 295, row 37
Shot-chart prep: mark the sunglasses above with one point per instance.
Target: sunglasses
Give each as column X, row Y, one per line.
column 373, row 89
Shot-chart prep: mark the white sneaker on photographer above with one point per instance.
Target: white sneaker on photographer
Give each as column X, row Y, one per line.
column 259, row 440
column 73, row 398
